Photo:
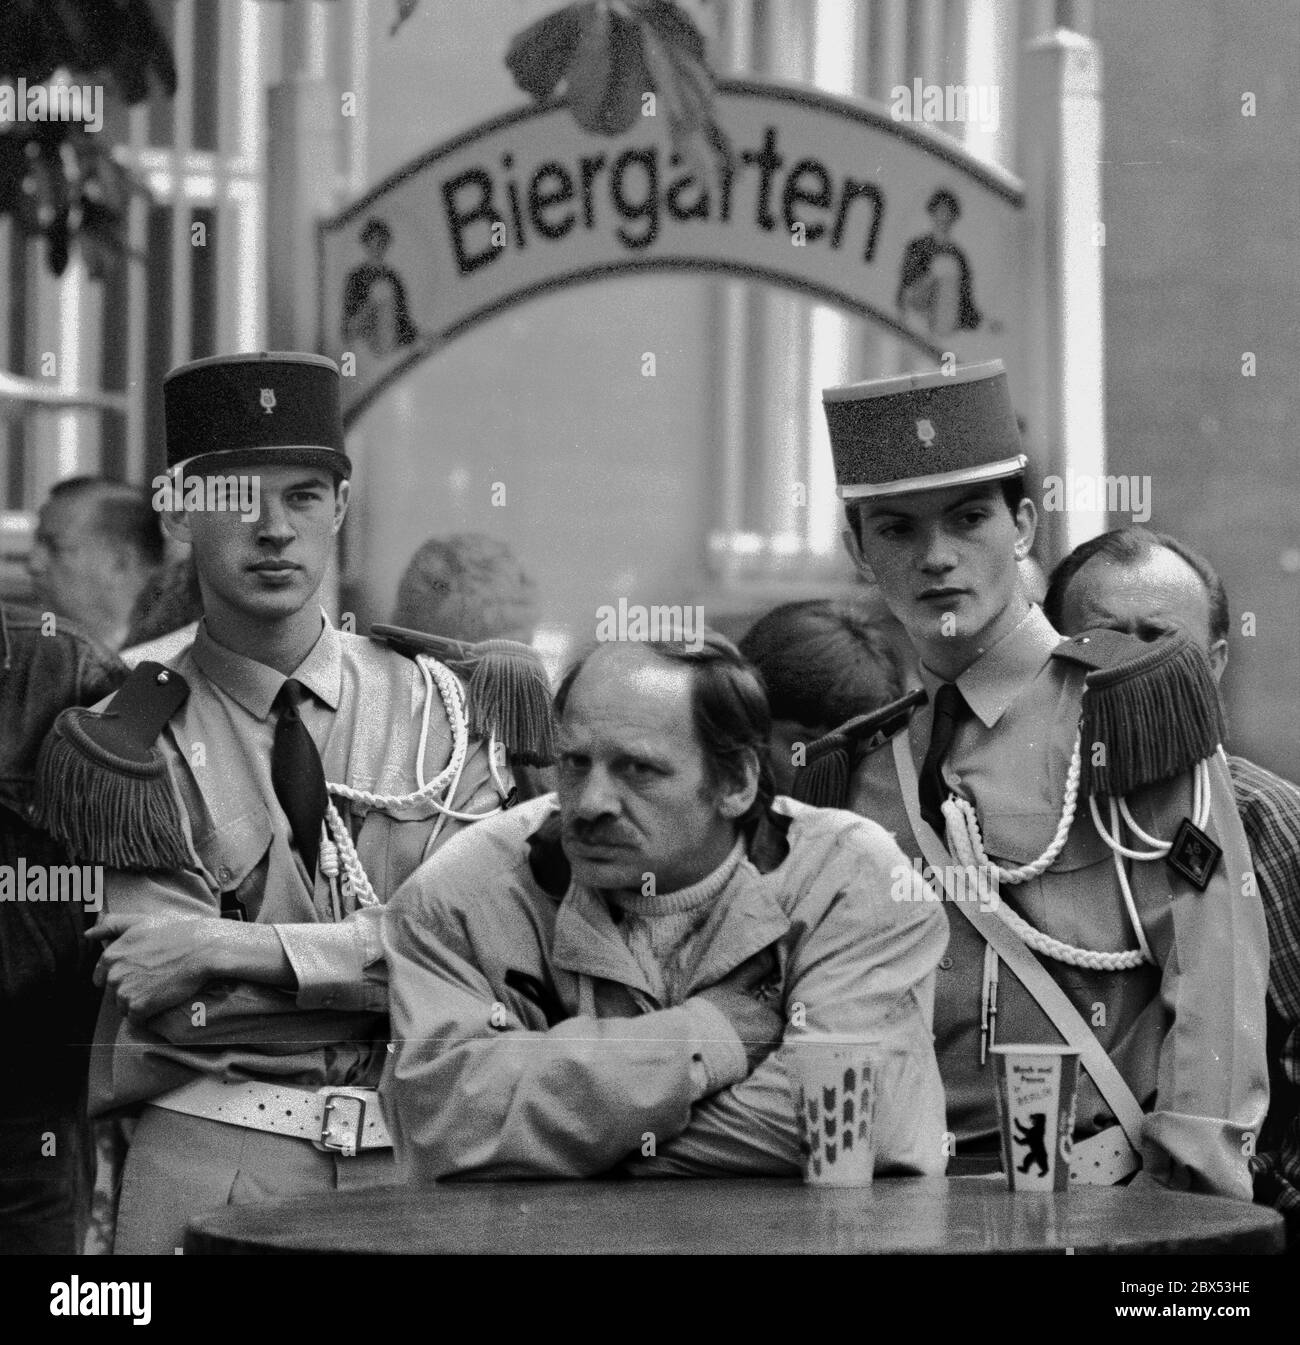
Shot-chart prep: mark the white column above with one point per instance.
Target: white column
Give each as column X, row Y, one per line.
column 927, row 42
column 992, row 32
column 305, row 133
column 1061, row 154
column 889, row 59
column 182, row 140
column 733, row 55
column 835, row 349
column 781, row 368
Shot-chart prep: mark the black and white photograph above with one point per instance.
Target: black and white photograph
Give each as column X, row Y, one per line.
column 650, row 628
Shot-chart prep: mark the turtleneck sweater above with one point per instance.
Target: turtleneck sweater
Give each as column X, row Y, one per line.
column 659, row 929
column 659, row 932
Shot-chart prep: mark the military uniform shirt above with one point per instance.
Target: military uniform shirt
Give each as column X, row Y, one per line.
column 1186, row 1034
column 364, row 714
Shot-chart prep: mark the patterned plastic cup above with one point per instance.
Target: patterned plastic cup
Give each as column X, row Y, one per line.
column 836, row 1081
column 1036, row 1088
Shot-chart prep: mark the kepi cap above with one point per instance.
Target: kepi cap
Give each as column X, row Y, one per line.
column 255, row 410
column 892, row 436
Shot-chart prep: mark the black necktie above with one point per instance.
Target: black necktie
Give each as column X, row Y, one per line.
column 297, row 775
column 949, row 710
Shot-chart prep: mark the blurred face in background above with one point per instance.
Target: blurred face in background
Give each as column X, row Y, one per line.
column 1146, row 597
column 75, row 571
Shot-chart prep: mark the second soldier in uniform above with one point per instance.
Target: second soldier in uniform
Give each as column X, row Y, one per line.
column 255, row 803
column 1082, row 777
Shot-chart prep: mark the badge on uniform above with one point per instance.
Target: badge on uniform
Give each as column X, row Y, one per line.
column 1193, row 854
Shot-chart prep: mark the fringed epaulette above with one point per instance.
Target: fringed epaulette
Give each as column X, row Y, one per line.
column 509, row 693
column 1150, row 709
column 102, row 786
column 823, row 779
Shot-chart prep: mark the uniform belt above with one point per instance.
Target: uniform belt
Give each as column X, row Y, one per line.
column 335, row 1119
column 1103, row 1159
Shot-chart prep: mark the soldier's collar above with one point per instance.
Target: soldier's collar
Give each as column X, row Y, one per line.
column 1000, row 674
column 255, row 685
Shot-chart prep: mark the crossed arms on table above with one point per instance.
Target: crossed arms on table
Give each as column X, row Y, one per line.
column 479, row 1082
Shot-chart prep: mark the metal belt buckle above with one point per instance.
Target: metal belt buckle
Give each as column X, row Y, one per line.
column 341, row 1123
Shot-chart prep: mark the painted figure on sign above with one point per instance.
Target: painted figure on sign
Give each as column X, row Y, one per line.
column 375, row 310
column 936, row 277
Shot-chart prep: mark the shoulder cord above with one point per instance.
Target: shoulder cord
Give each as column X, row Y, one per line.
column 1159, row 848
column 966, row 844
column 445, row 783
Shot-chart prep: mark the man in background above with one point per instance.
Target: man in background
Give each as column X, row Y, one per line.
column 47, row 1000
column 1145, row 583
column 98, row 544
column 822, row 662
column 467, row 587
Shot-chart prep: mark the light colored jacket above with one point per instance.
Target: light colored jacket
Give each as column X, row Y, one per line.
column 528, row 1043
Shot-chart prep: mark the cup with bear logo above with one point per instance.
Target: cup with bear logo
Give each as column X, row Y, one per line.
column 1036, row 1087
column 837, row 1079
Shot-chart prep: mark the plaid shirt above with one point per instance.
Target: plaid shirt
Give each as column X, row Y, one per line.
column 1270, row 814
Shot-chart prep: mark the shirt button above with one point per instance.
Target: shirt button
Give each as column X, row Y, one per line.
column 945, row 964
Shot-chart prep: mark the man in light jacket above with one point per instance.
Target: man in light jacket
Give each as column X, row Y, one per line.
column 615, row 976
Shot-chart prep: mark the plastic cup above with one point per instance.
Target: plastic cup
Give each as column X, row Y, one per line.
column 836, row 1082
column 1036, row 1088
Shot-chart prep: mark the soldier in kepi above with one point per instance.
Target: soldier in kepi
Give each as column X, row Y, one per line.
column 254, row 804
column 1080, row 780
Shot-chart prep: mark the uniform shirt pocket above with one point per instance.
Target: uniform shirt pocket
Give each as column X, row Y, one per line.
column 235, row 855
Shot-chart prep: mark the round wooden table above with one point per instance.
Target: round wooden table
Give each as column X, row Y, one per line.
column 901, row 1215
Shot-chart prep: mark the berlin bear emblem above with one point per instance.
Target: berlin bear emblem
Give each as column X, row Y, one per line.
column 1034, row 1138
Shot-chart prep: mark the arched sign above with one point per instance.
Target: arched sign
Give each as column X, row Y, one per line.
column 832, row 198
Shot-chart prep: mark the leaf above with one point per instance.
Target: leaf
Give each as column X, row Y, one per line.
column 672, row 24
column 685, row 89
column 540, row 56
column 590, row 70
column 121, row 39
column 405, row 8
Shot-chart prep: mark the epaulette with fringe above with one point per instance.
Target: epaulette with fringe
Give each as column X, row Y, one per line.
column 823, row 779
column 102, row 786
column 1152, row 707
column 509, row 693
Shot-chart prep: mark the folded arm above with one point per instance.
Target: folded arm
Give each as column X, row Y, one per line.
column 478, row 1084
column 866, row 967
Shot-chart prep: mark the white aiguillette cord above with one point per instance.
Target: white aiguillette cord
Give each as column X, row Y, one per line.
column 1053, row 1001
column 337, row 848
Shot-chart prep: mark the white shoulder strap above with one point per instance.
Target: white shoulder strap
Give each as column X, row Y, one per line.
column 1027, row 969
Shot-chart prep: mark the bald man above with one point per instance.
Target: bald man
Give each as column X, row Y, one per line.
column 1146, row 583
